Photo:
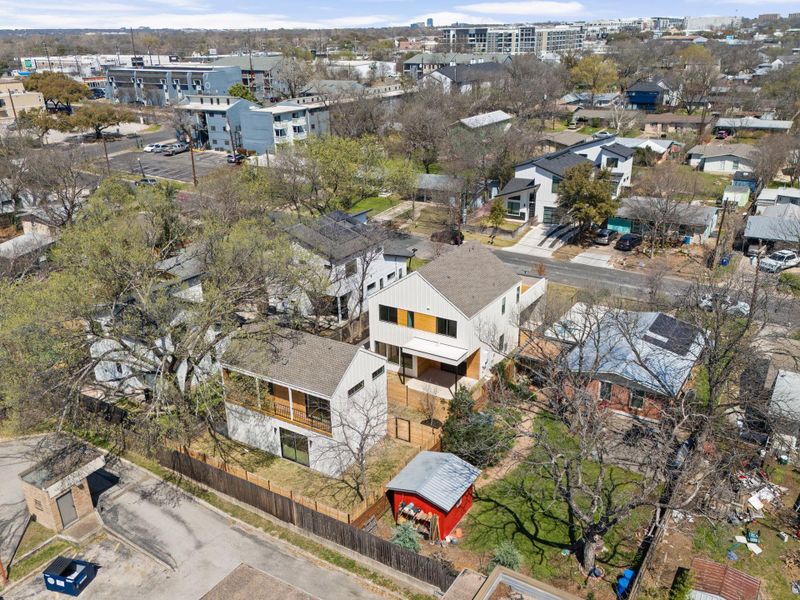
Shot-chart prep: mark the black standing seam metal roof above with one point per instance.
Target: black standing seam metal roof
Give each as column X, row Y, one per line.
column 561, row 162
column 645, row 86
column 619, row 149
column 517, row 185
column 671, row 334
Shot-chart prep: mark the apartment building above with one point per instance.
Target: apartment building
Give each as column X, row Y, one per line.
column 533, row 192
column 260, row 74
column 455, row 317
column 162, row 85
column 515, row 39
column 80, row 66
column 303, row 397
column 216, row 121
column 14, row 99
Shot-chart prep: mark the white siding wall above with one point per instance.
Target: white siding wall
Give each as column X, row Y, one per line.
column 725, row 164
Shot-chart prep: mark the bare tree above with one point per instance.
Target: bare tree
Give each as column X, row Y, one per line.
column 295, row 74
column 773, row 152
column 424, row 120
column 357, row 115
column 531, row 88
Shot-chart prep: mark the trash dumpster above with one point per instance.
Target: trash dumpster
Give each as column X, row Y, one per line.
column 68, row 575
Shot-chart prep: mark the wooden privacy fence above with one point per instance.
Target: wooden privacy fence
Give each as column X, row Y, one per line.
column 417, row 434
column 290, row 511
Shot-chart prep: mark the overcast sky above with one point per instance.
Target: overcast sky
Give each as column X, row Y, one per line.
column 272, row 14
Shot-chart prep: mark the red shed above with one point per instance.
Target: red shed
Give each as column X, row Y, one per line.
column 433, row 491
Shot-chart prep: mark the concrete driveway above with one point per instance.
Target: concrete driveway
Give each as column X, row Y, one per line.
column 595, row 258
column 178, row 167
column 542, row 240
column 181, row 549
column 15, row 457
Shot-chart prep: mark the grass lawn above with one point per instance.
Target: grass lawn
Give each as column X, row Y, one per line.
column 385, row 460
column 375, row 204
column 417, row 263
column 34, row 535
column 499, row 242
column 431, row 218
column 709, row 185
column 20, row 569
column 537, row 524
column 713, row 540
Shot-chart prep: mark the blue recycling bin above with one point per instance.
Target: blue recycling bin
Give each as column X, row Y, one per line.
column 725, row 260
column 68, row 576
column 687, row 239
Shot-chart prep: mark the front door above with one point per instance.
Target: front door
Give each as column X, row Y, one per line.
column 66, row 508
column 294, row 447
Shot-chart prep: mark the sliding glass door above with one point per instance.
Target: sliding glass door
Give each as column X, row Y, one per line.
column 294, row 447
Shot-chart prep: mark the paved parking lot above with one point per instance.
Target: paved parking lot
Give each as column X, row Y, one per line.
column 174, row 546
column 178, row 167
column 15, row 457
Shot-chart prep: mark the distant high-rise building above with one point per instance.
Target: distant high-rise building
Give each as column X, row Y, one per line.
column 769, row 17
column 429, row 22
column 514, row 39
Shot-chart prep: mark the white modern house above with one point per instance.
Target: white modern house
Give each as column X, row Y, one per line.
column 459, row 314
column 533, row 192
column 357, row 258
column 308, row 399
column 722, row 158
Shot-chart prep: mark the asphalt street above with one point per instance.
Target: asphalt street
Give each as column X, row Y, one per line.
column 95, row 149
column 178, row 167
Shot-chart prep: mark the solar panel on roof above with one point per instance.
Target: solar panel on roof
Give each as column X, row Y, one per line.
column 671, row 334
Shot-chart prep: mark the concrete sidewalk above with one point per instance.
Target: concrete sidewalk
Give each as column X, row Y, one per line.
column 15, row 456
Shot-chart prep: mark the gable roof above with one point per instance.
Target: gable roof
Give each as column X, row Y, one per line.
column 517, row 185
column 673, row 118
column 294, row 358
column 336, row 235
column 472, row 72
column 558, row 163
column 653, row 350
column 441, row 478
column 470, row 277
column 684, row 213
column 645, row 86
column 620, row 150
column 723, row 581
column 745, row 151
column 566, row 138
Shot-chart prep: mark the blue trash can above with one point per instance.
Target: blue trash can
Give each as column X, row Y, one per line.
column 68, row 575
column 725, row 260
column 687, row 239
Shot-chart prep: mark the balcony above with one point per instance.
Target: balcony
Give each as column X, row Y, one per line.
column 290, row 411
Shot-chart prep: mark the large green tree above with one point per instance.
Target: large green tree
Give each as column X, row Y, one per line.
column 595, row 74
column 238, row 90
column 96, row 117
column 58, row 89
column 585, row 195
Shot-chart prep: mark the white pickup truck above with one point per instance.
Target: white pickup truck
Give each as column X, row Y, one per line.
column 780, row 260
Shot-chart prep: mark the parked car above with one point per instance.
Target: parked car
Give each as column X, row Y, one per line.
column 176, row 149
column 629, row 241
column 146, row 181
column 722, row 135
column 605, row 236
column 780, row 260
column 235, row 159
column 451, row 236
column 155, row 148
column 714, row 299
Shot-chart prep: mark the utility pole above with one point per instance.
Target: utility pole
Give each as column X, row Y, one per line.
column 252, row 73
column 133, row 44
column 47, row 53
column 105, row 149
column 191, row 153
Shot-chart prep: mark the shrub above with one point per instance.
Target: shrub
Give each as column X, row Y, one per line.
column 406, row 537
column 505, row 555
column 682, row 586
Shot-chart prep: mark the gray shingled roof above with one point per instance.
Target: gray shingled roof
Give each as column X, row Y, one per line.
column 712, row 150
column 683, row 214
column 470, row 277
column 517, row 185
column 440, row 478
column 474, row 72
column 336, row 235
column 297, row 359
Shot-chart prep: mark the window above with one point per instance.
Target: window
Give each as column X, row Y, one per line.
column 387, row 313
column 38, row 504
column 270, row 388
column 637, row 399
column 377, row 373
column 446, row 327
column 410, row 319
column 519, row 290
column 390, row 277
column 212, row 127
column 294, row 447
column 318, row 409
column 381, row 282
column 392, row 353
column 503, row 307
column 297, row 129
column 556, row 184
column 371, row 288
column 408, row 361
column 502, row 343
column 612, row 163
column 350, row 268
column 512, row 206
column 355, row 389
column 605, row 391
column 399, row 273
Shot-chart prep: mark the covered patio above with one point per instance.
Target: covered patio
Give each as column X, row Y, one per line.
column 438, row 369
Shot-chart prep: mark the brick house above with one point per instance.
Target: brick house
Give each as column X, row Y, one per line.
column 636, row 363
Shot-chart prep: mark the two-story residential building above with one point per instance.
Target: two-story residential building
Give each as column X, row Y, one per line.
column 648, row 96
column 304, row 397
column 459, row 314
column 356, row 257
column 216, row 121
column 533, row 192
column 161, row 85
